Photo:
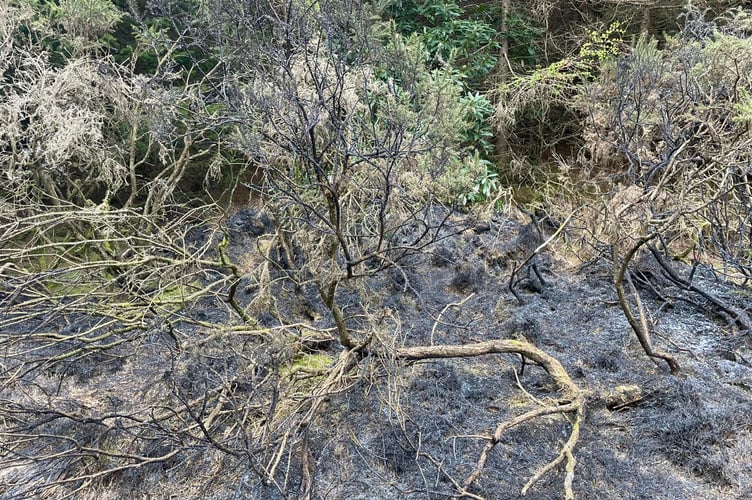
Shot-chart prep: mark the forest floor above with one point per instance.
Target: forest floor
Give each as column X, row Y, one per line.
column 647, row 434
column 416, row 431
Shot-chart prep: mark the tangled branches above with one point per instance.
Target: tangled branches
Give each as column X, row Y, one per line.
column 134, row 339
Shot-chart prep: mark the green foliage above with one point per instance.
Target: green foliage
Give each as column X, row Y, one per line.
column 565, row 74
column 463, row 41
column 154, row 49
column 486, row 184
column 478, row 134
column 477, row 139
column 603, row 45
column 450, row 37
column 538, row 111
column 85, row 22
column 743, row 108
column 465, row 122
column 523, row 37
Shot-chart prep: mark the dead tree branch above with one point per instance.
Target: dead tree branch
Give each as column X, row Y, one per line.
column 571, row 401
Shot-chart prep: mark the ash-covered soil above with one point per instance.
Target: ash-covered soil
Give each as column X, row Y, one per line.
column 416, row 430
column 647, row 434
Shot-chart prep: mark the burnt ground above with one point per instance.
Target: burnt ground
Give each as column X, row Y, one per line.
column 415, row 430
column 647, row 434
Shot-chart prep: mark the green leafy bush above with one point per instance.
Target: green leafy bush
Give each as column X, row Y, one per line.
column 450, row 36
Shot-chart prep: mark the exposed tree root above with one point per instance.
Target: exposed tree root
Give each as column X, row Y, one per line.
column 572, row 401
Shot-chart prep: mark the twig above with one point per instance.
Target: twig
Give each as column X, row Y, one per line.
column 518, row 267
column 438, row 318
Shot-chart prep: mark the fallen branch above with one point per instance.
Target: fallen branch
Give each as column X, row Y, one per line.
column 739, row 316
column 571, row 401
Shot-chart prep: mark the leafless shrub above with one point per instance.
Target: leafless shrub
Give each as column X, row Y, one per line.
column 674, row 117
column 98, row 264
column 104, row 273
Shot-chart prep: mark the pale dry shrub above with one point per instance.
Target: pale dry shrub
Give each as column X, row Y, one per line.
column 87, row 20
column 668, row 125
